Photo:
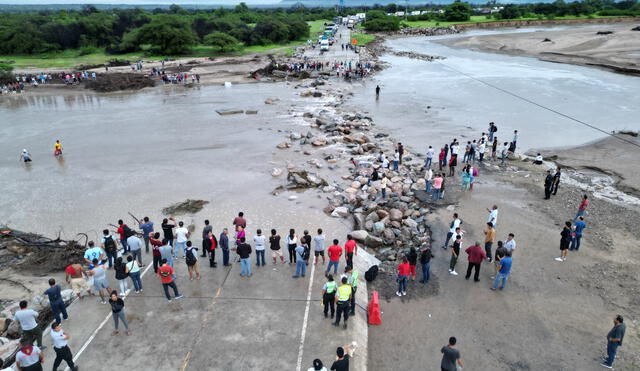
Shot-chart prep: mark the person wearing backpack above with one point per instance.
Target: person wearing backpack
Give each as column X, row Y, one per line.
column 166, row 274
column 302, row 252
column 125, row 232
column 191, row 258
column 109, row 246
column 133, row 269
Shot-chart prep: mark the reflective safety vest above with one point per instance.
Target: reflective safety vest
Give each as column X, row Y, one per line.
column 344, row 291
column 331, row 287
column 354, row 278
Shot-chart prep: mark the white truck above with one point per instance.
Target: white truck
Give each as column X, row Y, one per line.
column 324, row 45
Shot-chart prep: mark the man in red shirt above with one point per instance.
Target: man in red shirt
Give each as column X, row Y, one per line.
column 123, row 238
column 166, row 273
column 240, row 221
column 155, row 250
column 404, row 270
column 582, row 208
column 476, row 257
column 350, row 248
column 335, row 251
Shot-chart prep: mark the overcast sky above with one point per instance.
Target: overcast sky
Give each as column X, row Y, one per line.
column 190, row 2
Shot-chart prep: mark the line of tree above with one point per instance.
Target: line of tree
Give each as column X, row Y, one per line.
column 163, row 31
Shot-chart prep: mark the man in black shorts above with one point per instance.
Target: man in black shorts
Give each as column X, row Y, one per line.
column 318, row 246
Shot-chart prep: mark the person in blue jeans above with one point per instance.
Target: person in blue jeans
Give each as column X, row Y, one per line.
column 133, row 269
column 425, row 261
column 504, row 268
column 55, row 300
column 301, row 264
column 580, row 226
column 244, row 251
column 614, row 340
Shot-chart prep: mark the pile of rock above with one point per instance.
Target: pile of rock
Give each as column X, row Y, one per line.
column 413, row 55
column 429, row 31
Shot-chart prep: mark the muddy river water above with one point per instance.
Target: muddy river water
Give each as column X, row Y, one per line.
column 143, row 151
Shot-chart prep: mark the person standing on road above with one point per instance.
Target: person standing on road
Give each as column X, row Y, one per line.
column 94, row 252
column 121, row 275
column 60, row 346
column 582, row 208
column 117, row 309
column 155, row 250
column 437, row 187
column 565, row 241
column 455, row 223
column 147, row 232
column 224, row 246
column 110, row 247
column 167, row 274
column 301, row 265
column 135, row 247
column 317, row 364
column 342, row 299
column 556, row 181
column 100, row 281
column 292, row 242
column 328, row 296
column 166, row 253
column 334, row 251
column 29, row 357
column 306, row 240
column 579, row 226
column 274, row 245
column 493, row 216
column 412, row 257
column 244, row 251
column 133, row 270
column 614, row 340
column 260, row 242
column 191, row 259
column 476, row 256
column 352, row 279
column 489, row 238
column 55, row 301
column 510, row 243
column 450, row 356
column 209, row 245
column 350, row 248
column 167, row 230
column 182, row 236
column 205, row 235
column 124, row 231
column 425, row 261
column 342, row 359
column 548, row 185
column 75, row 276
column 403, row 273
column 504, row 269
column 455, row 252
column 240, row 221
column 27, row 318
column 318, row 247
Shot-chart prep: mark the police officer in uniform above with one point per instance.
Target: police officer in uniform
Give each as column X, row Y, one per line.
column 352, row 279
column 342, row 298
column 328, row 294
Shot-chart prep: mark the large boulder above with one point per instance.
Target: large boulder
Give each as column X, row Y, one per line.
column 360, row 235
column 340, row 212
column 372, row 241
column 378, row 226
column 303, row 179
column 410, row 223
column 395, row 214
column 8, row 349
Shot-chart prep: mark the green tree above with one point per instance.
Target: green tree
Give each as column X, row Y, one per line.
column 222, row 41
column 6, row 73
column 457, row 12
column 272, row 30
column 377, row 20
column 510, row 12
column 167, row 34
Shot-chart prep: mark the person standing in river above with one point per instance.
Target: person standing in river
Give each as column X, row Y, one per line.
column 377, row 86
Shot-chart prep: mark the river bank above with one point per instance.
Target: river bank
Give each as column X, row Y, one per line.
column 611, row 46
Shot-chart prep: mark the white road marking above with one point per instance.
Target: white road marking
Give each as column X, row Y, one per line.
column 104, row 322
column 303, row 333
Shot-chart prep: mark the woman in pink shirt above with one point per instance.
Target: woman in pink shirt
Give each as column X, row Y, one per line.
column 437, row 186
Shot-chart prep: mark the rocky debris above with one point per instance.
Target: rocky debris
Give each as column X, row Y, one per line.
column 251, row 112
column 302, row 179
column 295, row 136
column 307, row 115
column 185, row 207
column 284, row 145
column 226, row 112
column 276, row 172
column 604, row 32
column 413, row 55
column 636, row 28
column 546, row 40
column 111, row 82
column 429, row 31
column 340, row 212
column 271, row 100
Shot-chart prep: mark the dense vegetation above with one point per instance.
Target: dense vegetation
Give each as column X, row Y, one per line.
column 165, row 31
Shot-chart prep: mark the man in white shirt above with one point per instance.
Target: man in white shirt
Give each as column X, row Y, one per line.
column 29, row 357
column 28, row 322
column 510, row 243
column 259, row 241
column 60, row 346
column 427, row 179
column 182, row 235
column 428, row 161
column 493, row 216
column 455, row 223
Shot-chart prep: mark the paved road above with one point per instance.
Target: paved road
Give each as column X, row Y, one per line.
column 335, row 53
column 224, row 322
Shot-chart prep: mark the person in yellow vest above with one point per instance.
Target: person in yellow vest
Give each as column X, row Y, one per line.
column 57, row 148
column 342, row 298
column 352, row 279
column 328, row 294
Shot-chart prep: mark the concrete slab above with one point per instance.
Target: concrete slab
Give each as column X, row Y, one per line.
column 224, row 322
